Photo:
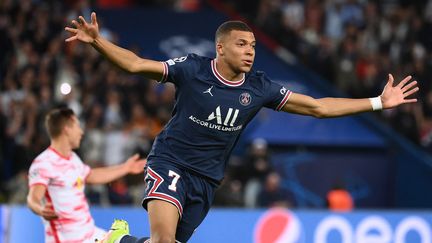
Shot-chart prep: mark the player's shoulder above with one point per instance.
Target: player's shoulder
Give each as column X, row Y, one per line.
column 258, row 78
column 75, row 157
column 258, row 74
column 187, row 59
column 44, row 159
column 197, row 57
column 190, row 64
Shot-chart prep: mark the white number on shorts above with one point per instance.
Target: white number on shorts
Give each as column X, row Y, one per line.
column 176, row 176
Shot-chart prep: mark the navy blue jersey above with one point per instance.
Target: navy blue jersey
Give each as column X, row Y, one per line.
column 210, row 113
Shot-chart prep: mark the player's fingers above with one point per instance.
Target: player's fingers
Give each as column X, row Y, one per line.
column 410, row 92
column 76, row 24
column 51, row 217
column 71, row 38
column 132, row 159
column 72, row 30
column 82, row 20
column 93, row 18
column 390, row 79
column 49, row 207
column 409, row 86
column 410, row 101
column 404, row 81
column 49, row 213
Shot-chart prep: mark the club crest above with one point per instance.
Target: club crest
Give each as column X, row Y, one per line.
column 245, row 99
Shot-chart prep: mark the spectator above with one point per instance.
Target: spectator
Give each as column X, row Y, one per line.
column 339, row 199
column 272, row 195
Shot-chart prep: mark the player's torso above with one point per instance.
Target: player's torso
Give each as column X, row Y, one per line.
column 210, row 114
column 66, row 192
column 214, row 107
column 67, row 182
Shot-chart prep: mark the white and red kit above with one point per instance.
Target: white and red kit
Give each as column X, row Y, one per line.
column 65, row 179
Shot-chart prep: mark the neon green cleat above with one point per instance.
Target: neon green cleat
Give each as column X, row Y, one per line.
column 118, row 229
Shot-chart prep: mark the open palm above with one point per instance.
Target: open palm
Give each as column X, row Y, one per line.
column 393, row 96
column 135, row 165
column 84, row 31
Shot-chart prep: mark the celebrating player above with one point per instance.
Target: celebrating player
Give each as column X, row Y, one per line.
column 57, row 178
column 215, row 99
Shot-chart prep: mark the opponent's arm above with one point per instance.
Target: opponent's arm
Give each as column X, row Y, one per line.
column 123, row 58
column 34, row 202
column 102, row 175
column 391, row 96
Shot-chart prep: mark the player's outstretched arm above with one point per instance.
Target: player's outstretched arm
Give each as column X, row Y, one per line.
column 133, row 165
column 125, row 59
column 392, row 96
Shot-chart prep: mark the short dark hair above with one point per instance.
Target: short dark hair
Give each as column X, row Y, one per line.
column 56, row 119
column 226, row 27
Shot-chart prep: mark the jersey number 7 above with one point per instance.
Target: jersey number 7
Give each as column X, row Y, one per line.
column 176, row 176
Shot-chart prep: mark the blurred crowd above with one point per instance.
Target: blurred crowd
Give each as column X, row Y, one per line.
column 355, row 44
column 351, row 43
column 121, row 113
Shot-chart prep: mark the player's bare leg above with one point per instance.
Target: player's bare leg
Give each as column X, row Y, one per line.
column 163, row 217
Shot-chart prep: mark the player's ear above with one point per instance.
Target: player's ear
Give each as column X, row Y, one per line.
column 219, row 48
column 65, row 130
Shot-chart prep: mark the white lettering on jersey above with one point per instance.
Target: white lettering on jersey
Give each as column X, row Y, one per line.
column 218, row 116
column 216, row 126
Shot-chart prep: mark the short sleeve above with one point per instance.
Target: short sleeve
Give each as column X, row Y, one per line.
column 39, row 173
column 85, row 171
column 277, row 95
column 84, row 168
column 179, row 70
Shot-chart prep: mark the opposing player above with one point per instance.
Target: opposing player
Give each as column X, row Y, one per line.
column 215, row 99
column 57, row 178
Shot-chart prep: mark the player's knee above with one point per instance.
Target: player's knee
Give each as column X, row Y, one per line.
column 163, row 238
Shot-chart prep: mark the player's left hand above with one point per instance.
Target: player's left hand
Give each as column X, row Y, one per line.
column 393, row 96
column 135, row 165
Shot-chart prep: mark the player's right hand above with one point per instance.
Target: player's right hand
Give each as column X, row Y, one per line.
column 48, row 212
column 83, row 31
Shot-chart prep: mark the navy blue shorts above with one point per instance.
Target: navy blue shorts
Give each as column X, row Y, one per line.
column 191, row 194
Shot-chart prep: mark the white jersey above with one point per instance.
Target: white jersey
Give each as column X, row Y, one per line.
column 65, row 182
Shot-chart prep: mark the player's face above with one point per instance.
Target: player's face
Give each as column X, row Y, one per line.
column 74, row 132
column 238, row 50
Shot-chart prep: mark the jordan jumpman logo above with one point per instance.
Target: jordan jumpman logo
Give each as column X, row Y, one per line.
column 209, row 90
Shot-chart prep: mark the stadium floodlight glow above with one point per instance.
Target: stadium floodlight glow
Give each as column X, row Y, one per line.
column 65, row 88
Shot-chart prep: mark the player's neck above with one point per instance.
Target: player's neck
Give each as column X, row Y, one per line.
column 62, row 147
column 226, row 71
